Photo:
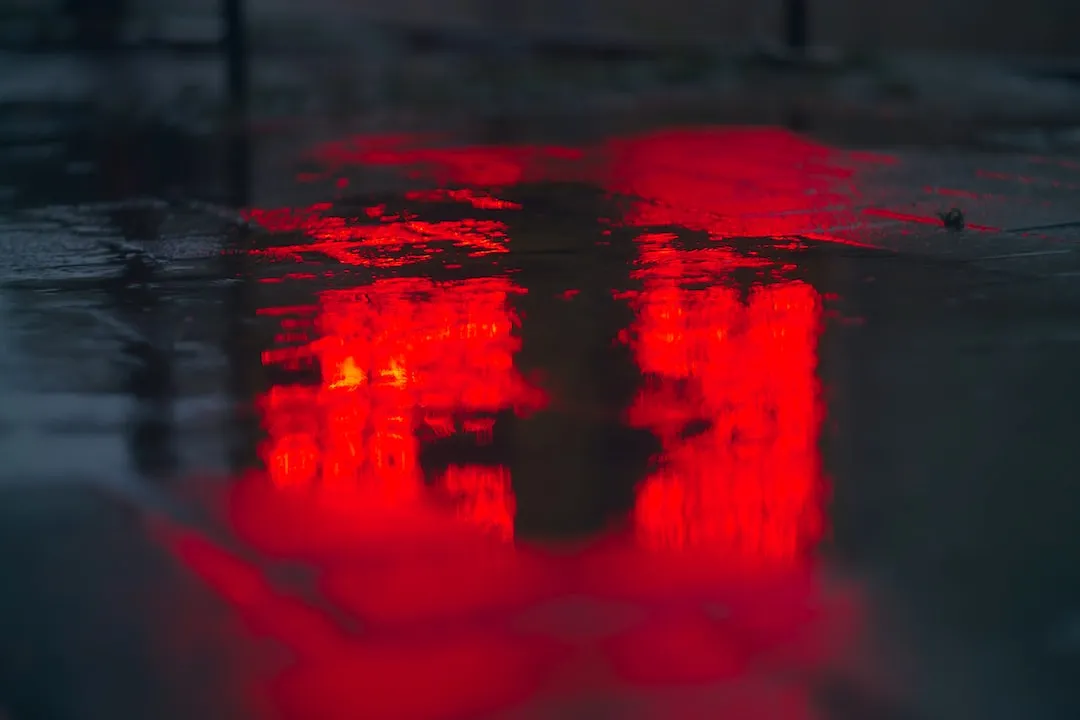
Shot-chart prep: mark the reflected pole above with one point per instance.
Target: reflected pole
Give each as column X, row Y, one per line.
column 235, row 49
column 237, row 82
column 574, row 464
column 241, row 346
column 796, row 14
column 796, row 39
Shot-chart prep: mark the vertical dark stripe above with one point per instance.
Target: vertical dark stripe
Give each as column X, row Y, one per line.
column 236, row 49
column 795, row 24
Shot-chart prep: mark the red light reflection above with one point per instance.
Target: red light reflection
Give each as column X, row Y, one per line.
column 454, row 620
column 724, row 181
column 399, row 360
column 479, row 200
column 396, row 356
column 732, row 182
column 731, row 391
column 394, row 242
column 474, row 165
column 484, row 496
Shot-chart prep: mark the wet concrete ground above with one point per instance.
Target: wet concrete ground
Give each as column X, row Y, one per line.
column 684, row 421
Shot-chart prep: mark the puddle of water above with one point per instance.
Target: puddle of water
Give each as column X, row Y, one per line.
column 543, row 433
column 547, row 446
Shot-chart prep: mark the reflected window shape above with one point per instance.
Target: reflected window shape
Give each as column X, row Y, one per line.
column 730, row 388
column 482, row 496
column 396, row 356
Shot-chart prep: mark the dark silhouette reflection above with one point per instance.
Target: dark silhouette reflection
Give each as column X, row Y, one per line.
column 796, row 31
column 575, row 463
column 240, row 343
column 151, row 384
column 236, row 50
column 242, row 351
column 148, row 346
column 131, row 160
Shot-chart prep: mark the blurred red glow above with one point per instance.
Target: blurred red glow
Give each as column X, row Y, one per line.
column 734, row 182
column 484, row 496
column 714, row 590
column 394, row 356
column 479, row 200
column 476, row 165
column 731, row 390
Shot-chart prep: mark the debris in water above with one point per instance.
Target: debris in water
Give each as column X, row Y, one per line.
column 953, row 219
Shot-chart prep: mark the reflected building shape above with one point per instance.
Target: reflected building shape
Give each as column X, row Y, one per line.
column 731, row 391
column 399, row 359
column 416, row 614
column 726, row 342
column 399, row 362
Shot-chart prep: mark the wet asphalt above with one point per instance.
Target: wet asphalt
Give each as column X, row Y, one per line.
column 685, row 421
